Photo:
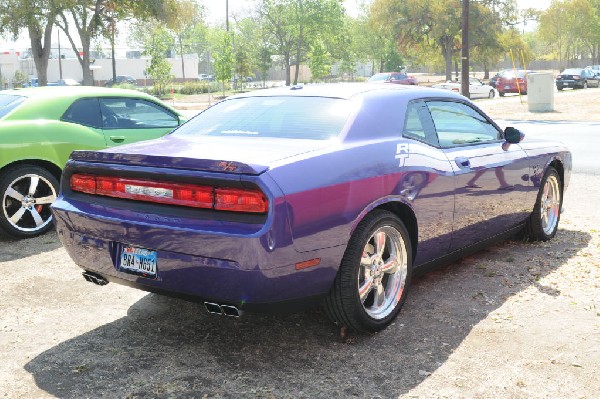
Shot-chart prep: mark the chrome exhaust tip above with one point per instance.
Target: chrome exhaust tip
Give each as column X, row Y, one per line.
column 213, row 308
column 227, row 310
column 231, row 311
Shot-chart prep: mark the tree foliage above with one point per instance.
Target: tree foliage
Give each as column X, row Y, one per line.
column 156, row 46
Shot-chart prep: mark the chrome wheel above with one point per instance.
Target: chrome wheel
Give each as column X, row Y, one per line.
column 382, row 273
column 26, row 203
column 550, row 204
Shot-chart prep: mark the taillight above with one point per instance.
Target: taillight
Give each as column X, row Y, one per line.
column 181, row 194
column 229, row 199
column 559, row 77
column 576, row 77
column 455, row 90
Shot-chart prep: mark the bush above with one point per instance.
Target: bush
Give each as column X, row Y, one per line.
column 19, row 80
column 198, row 87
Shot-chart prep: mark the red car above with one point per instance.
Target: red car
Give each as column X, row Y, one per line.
column 394, row 77
column 507, row 82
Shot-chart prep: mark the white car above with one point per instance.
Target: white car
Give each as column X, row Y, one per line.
column 477, row 89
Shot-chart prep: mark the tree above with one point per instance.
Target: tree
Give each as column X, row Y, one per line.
column 295, row 24
column 38, row 18
column 319, row 60
column 224, row 59
column 156, row 46
column 86, row 16
column 182, row 17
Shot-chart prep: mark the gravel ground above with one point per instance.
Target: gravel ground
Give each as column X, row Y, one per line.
column 517, row 320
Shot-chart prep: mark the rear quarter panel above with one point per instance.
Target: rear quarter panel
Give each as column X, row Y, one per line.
column 46, row 140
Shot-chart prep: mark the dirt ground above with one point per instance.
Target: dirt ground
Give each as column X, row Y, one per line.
column 517, row 320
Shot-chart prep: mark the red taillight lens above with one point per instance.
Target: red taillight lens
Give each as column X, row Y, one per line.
column 559, row 77
column 576, row 77
column 228, row 199
column 181, row 194
column 455, row 90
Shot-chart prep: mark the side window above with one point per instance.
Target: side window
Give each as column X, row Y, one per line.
column 134, row 113
column 417, row 124
column 85, row 112
column 458, row 124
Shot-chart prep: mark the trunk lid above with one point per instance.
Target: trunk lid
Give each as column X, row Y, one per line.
column 238, row 155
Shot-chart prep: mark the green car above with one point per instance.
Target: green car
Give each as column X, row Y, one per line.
column 39, row 127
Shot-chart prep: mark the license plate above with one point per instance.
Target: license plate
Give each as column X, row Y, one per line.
column 138, row 261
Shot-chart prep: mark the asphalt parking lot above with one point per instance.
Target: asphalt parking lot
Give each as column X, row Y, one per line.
column 518, row 320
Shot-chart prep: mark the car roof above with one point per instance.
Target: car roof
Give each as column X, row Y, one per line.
column 51, row 101
column 342, row 90
column 74, row 92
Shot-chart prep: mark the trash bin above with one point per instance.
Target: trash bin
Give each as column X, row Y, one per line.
column 540, row 92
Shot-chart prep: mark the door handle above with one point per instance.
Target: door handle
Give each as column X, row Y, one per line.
column 462, row 162
column 117, row 139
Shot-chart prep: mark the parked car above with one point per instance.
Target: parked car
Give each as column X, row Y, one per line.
column 577, row 78
column 205, row 77
column 39, row 127
column 65, row 82
column 288, row 197
column 477, row 89
column 511, row 82
column 121, row 79
column 595, row 69
column 393, row 77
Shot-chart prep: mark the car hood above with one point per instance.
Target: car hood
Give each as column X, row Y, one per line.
column 240, row 155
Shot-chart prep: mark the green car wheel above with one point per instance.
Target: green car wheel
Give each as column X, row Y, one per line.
column 26, row 192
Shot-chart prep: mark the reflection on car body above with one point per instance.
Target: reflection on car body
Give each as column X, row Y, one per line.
column 338, row 194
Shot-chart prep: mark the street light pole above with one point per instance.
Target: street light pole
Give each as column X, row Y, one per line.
column 465, row 50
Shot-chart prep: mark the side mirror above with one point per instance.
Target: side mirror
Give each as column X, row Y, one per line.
column 513, row 135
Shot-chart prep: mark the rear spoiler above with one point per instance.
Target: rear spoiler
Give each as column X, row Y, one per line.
column 210, row 165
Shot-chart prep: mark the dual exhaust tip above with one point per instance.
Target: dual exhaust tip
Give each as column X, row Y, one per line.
column 94, row 278
column 227, row 310
column 214, row 308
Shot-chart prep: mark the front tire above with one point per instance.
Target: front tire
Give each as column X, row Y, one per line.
column 26, row 193
column 543, row 221
column 374, row 276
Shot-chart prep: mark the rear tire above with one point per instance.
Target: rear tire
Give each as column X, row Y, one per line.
column 543, row 221
column 492, row 94
column 374, row 276
column 501, row 93
column 26, row 193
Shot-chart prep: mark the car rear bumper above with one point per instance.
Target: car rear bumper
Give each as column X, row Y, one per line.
column 246, row 270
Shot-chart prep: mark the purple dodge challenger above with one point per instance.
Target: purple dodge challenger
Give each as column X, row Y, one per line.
column 332, row 194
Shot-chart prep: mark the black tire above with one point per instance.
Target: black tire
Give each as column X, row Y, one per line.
column 535, row 229
column 344, row 305
column 501, row 93
column 585, row 85
column 559, row 88
column 21, row 215
column 492, row 94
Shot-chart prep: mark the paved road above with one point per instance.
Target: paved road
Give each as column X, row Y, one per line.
column 582, row 138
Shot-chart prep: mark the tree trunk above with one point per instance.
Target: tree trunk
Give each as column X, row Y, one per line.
column 288, row 69
column 298, row 54
column 181, row 53
column 112, row 49
column 41, row 52
column 486, row 72
column 447, row 53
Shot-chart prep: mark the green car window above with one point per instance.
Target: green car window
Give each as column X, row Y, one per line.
column 85, row 111
column 134, row 113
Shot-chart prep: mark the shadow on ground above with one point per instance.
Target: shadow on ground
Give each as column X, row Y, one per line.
column 13, row 249
column 171, row 348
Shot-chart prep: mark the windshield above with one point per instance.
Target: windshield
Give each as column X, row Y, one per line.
column 379, row 77
column 313, row 118
column 8, row 103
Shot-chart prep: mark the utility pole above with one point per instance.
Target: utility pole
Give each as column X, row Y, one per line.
column 59, row 58
column 227, row 14
column 465, row 50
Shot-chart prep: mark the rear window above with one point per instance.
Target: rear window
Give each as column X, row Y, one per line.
column 313, row 118
column 8, row 103
column 571, row 72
